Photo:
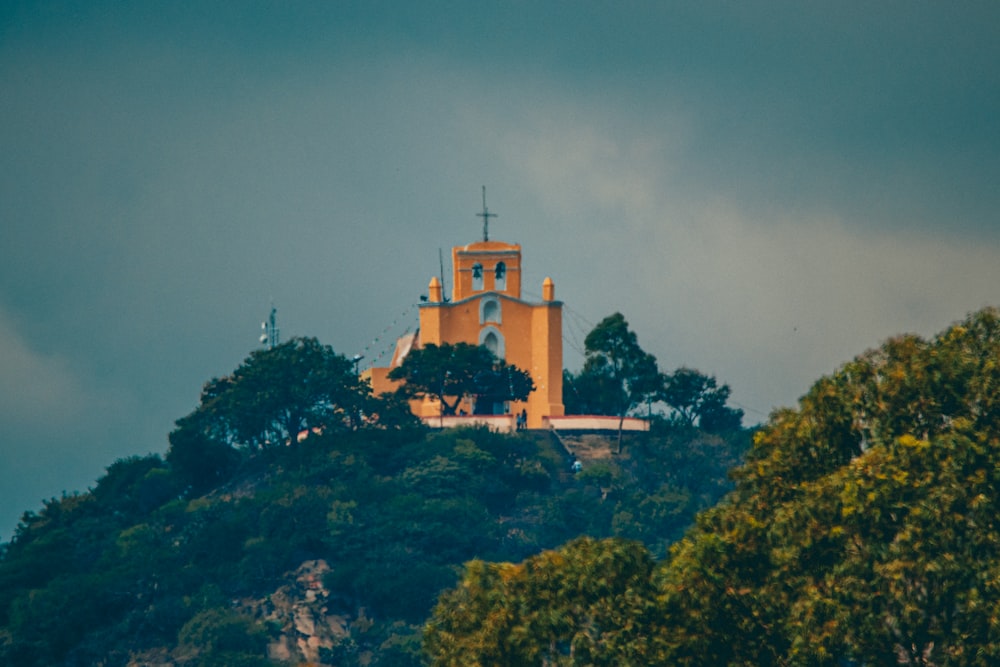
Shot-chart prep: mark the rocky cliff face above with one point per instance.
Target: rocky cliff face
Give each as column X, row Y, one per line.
column 312, row 626
column 306, row 623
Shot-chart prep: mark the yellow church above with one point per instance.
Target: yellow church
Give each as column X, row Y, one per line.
column 486, row 308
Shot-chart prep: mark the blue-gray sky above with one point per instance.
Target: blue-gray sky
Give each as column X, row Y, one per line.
column 764, row 189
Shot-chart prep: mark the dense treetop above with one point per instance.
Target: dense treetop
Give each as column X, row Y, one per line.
column 619, row 378
column 450, row 373
column 290, row 463
column 864, row 525
column 863, row 530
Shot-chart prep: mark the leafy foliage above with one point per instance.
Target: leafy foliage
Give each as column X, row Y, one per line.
column 450, row 373
column 617, row 374
column 504, row 382
column 224, row 638
column 864, row 525
column 863, row 530
column 278, row 393
column 587, row 603
column 623, row 373
column 141, row 565
column 619, row 377
column 179, row 560
column 697, row 399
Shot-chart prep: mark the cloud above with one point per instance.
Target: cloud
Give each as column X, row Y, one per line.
column 61, row 424
column 763, row 194
column 767, row 298
column 39, row 389
column 771, row 304
column 44, row 402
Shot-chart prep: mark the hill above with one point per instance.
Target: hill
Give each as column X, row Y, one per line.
column 331, row 550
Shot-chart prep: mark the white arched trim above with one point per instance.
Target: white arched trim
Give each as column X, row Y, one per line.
column 489, row 310
column 491, row 337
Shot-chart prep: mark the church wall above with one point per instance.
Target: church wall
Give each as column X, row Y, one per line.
column 532, row 341
column 379, row 380
column 527, row 335
column 547, row 362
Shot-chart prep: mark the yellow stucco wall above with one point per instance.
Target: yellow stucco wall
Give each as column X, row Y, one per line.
column 487, row 254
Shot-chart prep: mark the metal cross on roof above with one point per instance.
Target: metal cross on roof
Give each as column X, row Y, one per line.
column 486, row 215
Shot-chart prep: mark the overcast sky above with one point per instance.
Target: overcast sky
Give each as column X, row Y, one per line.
column 764, row 190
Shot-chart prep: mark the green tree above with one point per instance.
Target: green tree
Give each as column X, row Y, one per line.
column 589, row 394
column 450, row 373
column 590, row 602
column 504, row 382
column 863, row 528
column 617, row 374
column 698, row 400
column 197, row 458
column 278, row 393
column 390, row 411
column 223, row 638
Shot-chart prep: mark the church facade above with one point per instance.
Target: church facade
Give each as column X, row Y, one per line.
column 486, row 308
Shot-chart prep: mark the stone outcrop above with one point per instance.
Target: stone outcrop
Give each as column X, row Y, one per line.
column 312, row 626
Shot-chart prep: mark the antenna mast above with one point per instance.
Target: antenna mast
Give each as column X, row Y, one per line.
column 270, row 330
column 444, row 292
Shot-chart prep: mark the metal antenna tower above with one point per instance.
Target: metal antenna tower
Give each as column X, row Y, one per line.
column 269, row 327
column 486, row 215
column 444, row 292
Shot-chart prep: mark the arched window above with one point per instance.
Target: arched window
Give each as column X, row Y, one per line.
column 491, row 343
column 489, row 310
column 501, row 277
column 477, row 276
column 492, row 339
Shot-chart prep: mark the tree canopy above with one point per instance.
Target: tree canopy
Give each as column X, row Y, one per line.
column 863, row 527
column 586, row 603
column 613, row 354
column 697, row 399
column 617, row 374
column 274, row 396
column 277, row 393
column 450, row 373
column 619, row 377
column 863, row 530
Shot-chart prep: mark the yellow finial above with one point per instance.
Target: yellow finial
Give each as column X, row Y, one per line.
column 548, row 289
column 435, row 290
